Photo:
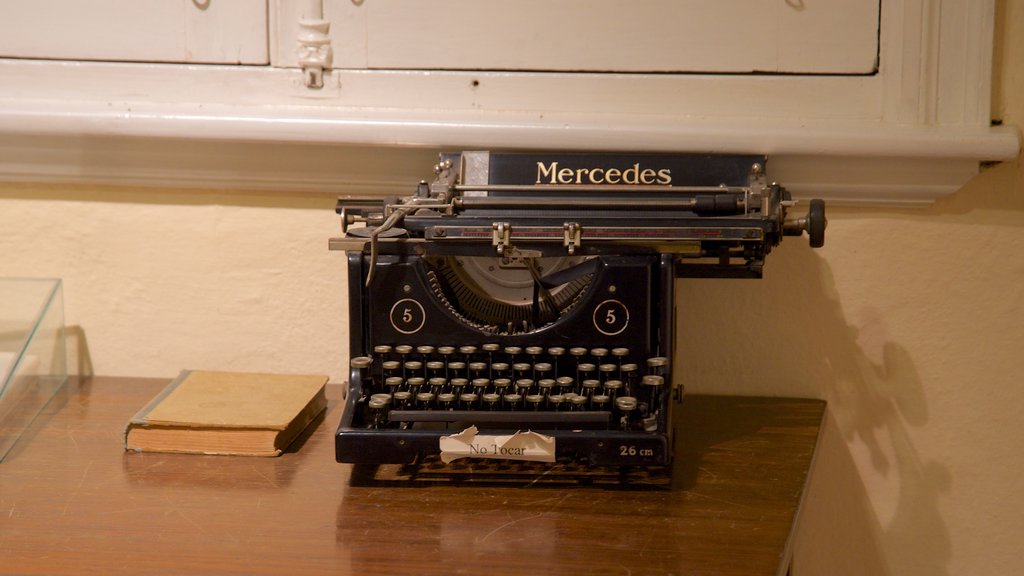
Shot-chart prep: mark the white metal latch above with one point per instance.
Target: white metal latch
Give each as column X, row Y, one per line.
column 314, row 49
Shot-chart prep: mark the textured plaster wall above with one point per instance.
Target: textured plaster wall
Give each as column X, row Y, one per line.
column 911, row 325
column 160, row 280
column 909, row 322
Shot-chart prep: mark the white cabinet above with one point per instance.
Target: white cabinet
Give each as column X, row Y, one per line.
column 852, row 100
column 184, row 31
column 679, row 36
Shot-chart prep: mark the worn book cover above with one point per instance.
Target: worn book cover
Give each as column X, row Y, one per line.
column 205, row 412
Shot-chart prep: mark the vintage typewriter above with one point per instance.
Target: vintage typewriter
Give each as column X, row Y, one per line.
column 517, row 292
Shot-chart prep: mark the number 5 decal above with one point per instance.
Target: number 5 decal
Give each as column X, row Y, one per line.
column 407, row 316
column 611, row 317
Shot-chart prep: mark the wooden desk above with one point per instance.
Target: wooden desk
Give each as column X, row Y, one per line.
column 72, row 501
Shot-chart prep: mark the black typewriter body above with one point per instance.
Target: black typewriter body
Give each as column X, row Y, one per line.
column 535, row 292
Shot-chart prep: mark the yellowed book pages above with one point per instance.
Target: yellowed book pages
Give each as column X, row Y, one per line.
column 237, row 413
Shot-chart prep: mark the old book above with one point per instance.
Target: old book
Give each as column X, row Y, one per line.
column 238, row 413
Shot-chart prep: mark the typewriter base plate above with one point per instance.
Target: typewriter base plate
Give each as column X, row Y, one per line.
column 565, row 471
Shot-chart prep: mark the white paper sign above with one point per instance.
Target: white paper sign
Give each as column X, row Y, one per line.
column 519, row 446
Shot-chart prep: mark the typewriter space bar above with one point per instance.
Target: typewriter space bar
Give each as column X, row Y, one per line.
column 488, row 417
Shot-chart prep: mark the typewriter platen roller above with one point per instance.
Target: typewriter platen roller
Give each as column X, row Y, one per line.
column 517, row 292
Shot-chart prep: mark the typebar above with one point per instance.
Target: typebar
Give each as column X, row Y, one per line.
column 582, row 419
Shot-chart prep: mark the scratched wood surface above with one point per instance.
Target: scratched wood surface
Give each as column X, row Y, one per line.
column 71, row 501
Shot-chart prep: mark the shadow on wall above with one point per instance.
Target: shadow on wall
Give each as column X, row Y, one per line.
column 872, row 498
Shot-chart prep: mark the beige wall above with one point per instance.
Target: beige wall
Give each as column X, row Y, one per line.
column 907, row 322
column 910, row 324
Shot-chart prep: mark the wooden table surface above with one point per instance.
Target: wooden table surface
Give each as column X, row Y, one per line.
column 73, row 502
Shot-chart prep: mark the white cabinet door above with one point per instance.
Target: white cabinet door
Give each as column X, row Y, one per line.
column 706, row 36
column 186, row 31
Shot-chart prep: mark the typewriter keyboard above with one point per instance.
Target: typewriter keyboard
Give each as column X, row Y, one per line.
column 579, row 388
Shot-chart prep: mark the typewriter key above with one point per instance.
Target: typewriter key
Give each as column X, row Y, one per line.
column 657, row 364
column 501, row 384
column 499, row 369
column 403, row 349
column 564, row 383
column 629, row 377
column 578, row 352
column 612, row 388
column 556, row 401
column 652, row 380
column 400, row 399
column 414, row 383
column 425, row 350
column 445, row 399
column 467, row 351
column 626, row 405
column 490, row 400
column 382, row 351
column 523, row 385
column 620, row 352
column 437, row 384
column 393, row 383
column 585, row 369
column 542, row 369
column 533, row 401
column 424, row 400
column 546, row 385
column 599, row 353
column 512, row 401
column 435, row 368
column 480, row 384
column 477, row 369
column 599, row 401
column 391, row 367
column 376, row 412
column 413, row 367
column 467, row 400
column 512, row 351
column 362, row 364
column 456, row 368
column 555, row 353
column 490, row 348
column 590, row 386
column 522, row 369
column 458, row 384
column 578, row 403
column 655, row 387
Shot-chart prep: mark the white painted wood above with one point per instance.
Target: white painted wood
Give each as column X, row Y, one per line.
column 225, row 135
column 390, row 170
column 735, row 36
column 913, row 131
column 186, row 31
column 964, row 70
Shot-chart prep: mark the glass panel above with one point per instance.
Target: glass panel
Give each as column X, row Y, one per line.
column 33, row 358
